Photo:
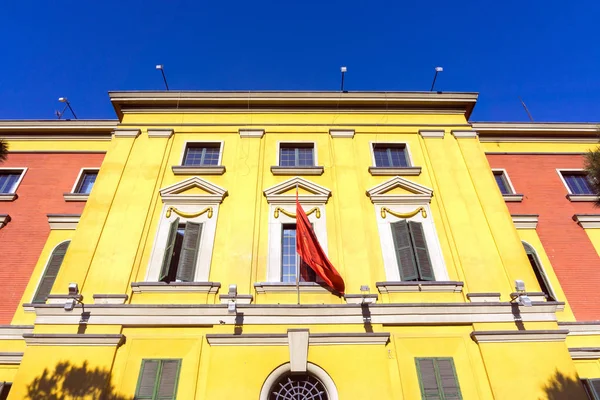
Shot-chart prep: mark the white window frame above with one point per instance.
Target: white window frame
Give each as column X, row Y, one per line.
column 289, row 142
column 559, row 171
column 80, row 177
column 200, row 142
column 18, row 182
column 275, row 233
column 508, row 181
column 392, row 271
column 397, row 144
column 207, row 240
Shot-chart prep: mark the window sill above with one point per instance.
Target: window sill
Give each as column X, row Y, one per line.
column 492, row 297
column 8, row 196
column 280, row 287
column 513, row 197
column 76, row 196
column 420, row 286
column 198, row 170
column 277, row 170
column 175, row 287
column 63, row 221
column 392, row 171
column 110, row 298
column 361, row 298
column 582, row 197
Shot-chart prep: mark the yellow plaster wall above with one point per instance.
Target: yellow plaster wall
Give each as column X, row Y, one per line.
column 594, row 235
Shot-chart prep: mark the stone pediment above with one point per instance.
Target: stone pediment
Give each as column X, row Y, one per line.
column 193, row 190
column 308, row 192
column 399, row 190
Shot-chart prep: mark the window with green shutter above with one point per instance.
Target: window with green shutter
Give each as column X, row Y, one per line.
column 158, row 379
column 437, row 379
column 411, row 251
column 592, row 387
column 181, row 252
column 50, row 273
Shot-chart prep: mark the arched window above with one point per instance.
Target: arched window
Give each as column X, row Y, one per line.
column 51, row 272
column 539, row 271
column 298, row 387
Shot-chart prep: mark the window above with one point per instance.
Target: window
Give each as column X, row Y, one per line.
column 296, row 155
column 5, row 390
column 158, row 379
column 390, row 155
column 437, row 379
column 411, row 250
column 577, row 182
column 289, row 258
column 202, row 154
column 539, row 272
column 502, row 181
column 592, row 387
column 51, row 272
column 86, row 181
column 9, row 180
column 293, row 387
column 181, row 253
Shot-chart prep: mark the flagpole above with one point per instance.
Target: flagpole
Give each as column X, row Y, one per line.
column 297, row 255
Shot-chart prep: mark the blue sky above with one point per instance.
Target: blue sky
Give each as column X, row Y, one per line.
column 548, row 52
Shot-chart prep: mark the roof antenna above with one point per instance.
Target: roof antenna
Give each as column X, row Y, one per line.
column 526, row 110
column 343, row 70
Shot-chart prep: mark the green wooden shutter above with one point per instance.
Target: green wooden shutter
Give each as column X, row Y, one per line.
column 158, row 380
column 169, row 376
column 50, row 273
column 164, row 271
column 189, row 252
column 447, row 379
column 437, row 379
column 148, row 379
column 404, row 251
column 421, row 252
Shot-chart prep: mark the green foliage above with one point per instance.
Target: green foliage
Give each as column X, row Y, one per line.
column 592, row 168
column 3, row 150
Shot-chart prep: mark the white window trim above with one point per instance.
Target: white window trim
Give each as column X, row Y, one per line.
column 406, row 150
column 315, row 158
column 199, row 142
column 39, row 280
column 207, row 240
column 559, row 171
column 543, row 270
column 80, row 176
column 510, row 184
column 390, row 263
column 18, row 182
column 275, row 232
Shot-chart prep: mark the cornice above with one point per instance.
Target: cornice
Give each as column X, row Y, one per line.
column 63, row 221
column 11, row 358
column 556, row 335
column 277, row 314
column 27, row 130
column 177, row 100
column 65, row 339
column 14, row 332
column 525, row 221
column 584, row 353
column 587, row 221
column 585, row 328
column 314, row 339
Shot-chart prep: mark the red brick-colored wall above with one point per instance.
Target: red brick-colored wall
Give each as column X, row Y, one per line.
column 571, row 252
column 49, row 175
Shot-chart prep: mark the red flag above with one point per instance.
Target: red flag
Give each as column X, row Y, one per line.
column 312, row 254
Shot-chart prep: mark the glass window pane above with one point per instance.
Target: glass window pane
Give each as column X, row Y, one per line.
column 287, row 157
column 8, row 181
column 87, row 182
column 578, row 183
column 398, row 157
column 502, row 183
column 381, row 157
column 202, row 154
column 390, row 156
column 305, row 157
column 288, row 254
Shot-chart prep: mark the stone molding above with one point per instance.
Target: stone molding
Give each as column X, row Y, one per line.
column 420, row 286
column 127, row 133
column 14, row 332
column 316, row 170
column 63, row 221
column 587, row 221
column 342, row 133
column 74, row 339
column 432, row 134
column 392, row 171
column 160, row 133
column 282, row 339
column 252, row 133
column 198, row 170
column 175, row 287
column 525, row 221
column 556, row 335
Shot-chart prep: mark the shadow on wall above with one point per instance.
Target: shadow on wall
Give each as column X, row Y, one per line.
column 562, row 387
column 70, row 382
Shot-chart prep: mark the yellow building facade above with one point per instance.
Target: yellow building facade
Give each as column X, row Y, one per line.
column 179, row 281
